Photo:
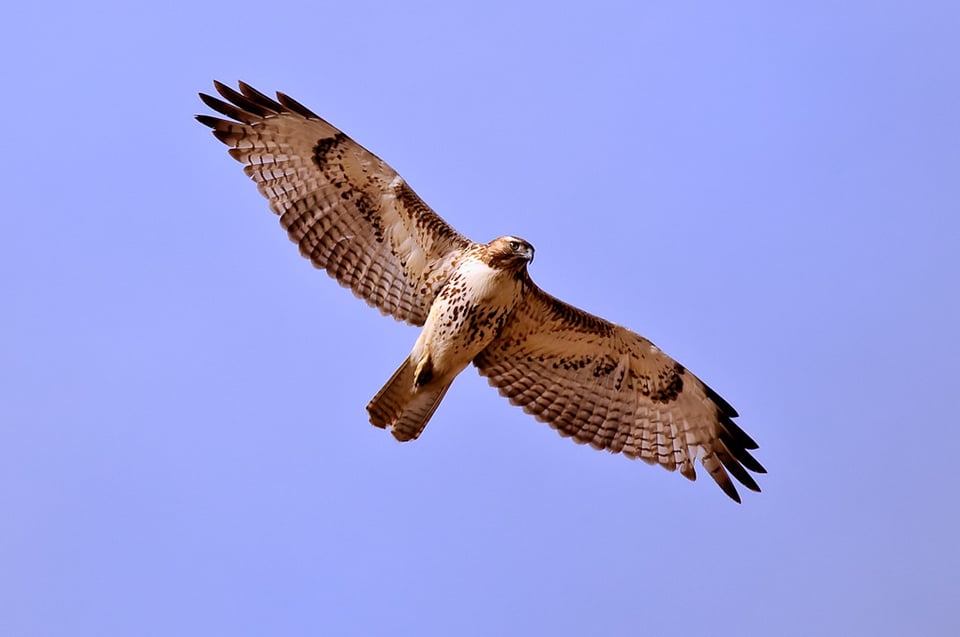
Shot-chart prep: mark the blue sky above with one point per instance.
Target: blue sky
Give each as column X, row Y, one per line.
column 770, row 194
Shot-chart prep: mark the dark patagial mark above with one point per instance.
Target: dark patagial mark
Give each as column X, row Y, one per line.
column 578, row 319
column 423, row 216
column 326, row 155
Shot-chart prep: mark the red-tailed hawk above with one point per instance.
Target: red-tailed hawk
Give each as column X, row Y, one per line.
column 591, row 380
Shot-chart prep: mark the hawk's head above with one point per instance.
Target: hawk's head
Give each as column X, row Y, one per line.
column 509, row 253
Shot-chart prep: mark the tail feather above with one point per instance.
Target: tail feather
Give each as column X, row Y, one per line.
column 404, row 408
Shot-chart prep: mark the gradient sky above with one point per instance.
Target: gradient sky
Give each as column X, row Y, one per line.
column 769, row 194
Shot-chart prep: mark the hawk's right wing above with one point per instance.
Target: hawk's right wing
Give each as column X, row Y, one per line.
column 350, row 213
column 607, row 386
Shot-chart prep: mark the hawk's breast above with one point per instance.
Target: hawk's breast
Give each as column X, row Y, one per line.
column 469, row 312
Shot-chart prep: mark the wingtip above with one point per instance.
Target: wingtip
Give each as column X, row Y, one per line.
column 208, row 120
column 221, row 87
column 725, row 408
column 731, row 491
column 293, row 105
column 206, row 98
column 261, row 99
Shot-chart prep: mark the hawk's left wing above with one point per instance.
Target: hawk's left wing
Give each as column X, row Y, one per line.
column 350, row 213
column 605, row 385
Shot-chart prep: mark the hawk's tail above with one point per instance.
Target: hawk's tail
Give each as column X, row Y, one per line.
column 404, row 408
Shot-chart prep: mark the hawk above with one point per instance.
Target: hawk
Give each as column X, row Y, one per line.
column 591, row 380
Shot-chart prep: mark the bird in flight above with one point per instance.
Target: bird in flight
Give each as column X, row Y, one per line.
column 592, row 380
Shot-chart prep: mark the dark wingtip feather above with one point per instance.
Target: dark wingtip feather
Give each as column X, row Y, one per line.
column 229, row 110
column 737, row 470
column 295, row 106
column 256, row 96
column 725, row 408
column 210, row 100
column 714, row 465
column 740, row 453
column 739, row 434
column 209, row 120
column 748, row 461
column 730, row 490
column 242, row 101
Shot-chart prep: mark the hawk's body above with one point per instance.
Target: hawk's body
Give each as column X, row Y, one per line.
column 353, row 216
column 470, row 310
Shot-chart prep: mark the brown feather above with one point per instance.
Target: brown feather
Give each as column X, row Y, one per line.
column 348, row 211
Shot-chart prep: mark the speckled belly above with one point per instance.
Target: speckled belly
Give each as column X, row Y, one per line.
column 464, row 319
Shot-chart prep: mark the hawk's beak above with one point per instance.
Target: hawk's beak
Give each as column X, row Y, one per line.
column 529, row 254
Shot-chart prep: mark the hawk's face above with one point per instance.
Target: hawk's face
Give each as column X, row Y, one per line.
column 509, row 253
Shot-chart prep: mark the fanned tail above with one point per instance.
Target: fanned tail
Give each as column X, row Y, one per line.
column 404, row 408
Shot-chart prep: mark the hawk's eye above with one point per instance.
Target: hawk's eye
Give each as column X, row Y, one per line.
column 514, row 245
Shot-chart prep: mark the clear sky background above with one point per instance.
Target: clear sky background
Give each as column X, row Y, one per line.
column 771, row 194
